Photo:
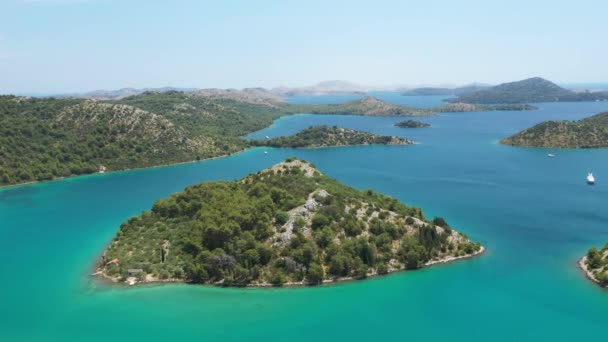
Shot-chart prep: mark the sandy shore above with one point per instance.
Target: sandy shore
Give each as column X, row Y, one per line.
column 154, row 281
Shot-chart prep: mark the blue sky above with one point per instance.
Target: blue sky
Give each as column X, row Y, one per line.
column 54, row 46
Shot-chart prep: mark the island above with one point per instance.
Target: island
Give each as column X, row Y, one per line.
column 534, row 89
column 285, row 225
column 591, row 132
column 439, row 91
column 595, row 265
column 326, row 136
column 412, row 124
column 369, row 106
column 461, row 107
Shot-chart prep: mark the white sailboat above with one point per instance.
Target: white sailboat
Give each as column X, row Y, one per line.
column 590, row 179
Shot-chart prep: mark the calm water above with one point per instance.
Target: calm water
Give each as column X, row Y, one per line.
column 390, row 96
column 535, row 215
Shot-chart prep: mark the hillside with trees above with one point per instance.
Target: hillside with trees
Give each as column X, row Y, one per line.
column 369, row 106
column 48, row 138
column 591, row 132
column 534, row 89
column 324, row 136
column 43, row 139
column 288, row 224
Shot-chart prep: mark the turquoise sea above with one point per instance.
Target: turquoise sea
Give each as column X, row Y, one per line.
column 535, row 215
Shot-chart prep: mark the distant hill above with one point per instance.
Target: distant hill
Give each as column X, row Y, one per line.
column 529, row 90
column 246, row 95
column 458, row 91
column 591, row 132
column 369, row 106
column 322, row 88
column 118, row 94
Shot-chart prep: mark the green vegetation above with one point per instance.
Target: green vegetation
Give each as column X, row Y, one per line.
column 222, row 118
column 43, row 139
column 322, row 136
column 412, row 124
column 596, row 262
column 287, row 224
column 591, row 132
column 529, row 90
column 369, row 106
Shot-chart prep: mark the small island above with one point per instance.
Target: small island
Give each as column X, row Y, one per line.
column 286, row 225
column 591, row 132
column 412, row 124
column 595, row 265
column 326, row 136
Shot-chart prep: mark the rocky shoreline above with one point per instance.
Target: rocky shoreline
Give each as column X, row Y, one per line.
column 132, row 281
column 582, row 264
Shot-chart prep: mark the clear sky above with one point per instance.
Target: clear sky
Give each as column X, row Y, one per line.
column 54, row 46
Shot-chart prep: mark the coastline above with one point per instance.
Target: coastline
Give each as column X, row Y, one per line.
column 338, row 146
column 335, row 281
column 588, row 274
column 3, row 187
column 6, row 187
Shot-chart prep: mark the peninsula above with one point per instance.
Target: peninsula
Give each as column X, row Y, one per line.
column 412, row 124
column 591, row 132
column 324, row 136
column 286, row 225
column 595, row 265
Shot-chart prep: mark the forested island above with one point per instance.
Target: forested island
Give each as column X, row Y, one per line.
column 591, row 132
column 325, row 136
column 534, row 89
column 412, row 124
column 286, row 225
column 369, row 106
column 595, row 265
column 439, row 91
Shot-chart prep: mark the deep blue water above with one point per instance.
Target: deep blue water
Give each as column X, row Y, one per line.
column 535, row 215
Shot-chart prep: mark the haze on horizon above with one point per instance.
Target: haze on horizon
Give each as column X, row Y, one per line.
column 60, row 46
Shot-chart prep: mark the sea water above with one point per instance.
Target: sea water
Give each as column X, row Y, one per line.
column 534, row 214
